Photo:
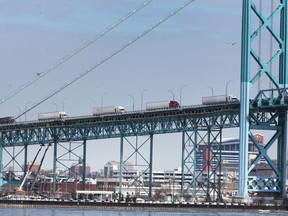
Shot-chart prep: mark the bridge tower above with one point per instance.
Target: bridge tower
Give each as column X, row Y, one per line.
column 263, row 93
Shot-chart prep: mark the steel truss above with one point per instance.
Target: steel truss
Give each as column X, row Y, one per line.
column 199, row 130
column 270, row 71
column 201, row 161
column 69, row 154
column 273, row 121
column 142, row 161
column 124, row 126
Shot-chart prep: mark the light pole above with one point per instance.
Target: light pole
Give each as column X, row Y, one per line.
column 102, row 98
column 55, row 105
column 171, row 93
column 93, row 101
column 26, row 108
column 63, row 103
column 211, row 90
column 181, row 93
column 20, row 111
column 227, row 86
column 132, row 100
column 142, row 97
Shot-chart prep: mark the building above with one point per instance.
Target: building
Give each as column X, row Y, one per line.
column 78, row 170
column 226, row 153
column 111, row 170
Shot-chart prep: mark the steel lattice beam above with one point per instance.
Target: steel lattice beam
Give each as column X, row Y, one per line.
column 255, row 67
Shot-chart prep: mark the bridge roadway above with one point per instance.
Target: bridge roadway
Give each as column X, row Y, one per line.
column 206, row 118
column 116, row 125
column 188, row 118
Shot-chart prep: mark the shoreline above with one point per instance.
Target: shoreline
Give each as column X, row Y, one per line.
column 185, row 207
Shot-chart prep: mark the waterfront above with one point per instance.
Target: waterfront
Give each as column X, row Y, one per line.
column 91, row 212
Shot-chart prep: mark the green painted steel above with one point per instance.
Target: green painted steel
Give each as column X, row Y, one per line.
column 1, row 167
column 84, row 166
column 194, row 120
column 273, row 98
column 150, row 167
column 130, row 124
column 121, row 165
column 244, row 98
column 54, row 168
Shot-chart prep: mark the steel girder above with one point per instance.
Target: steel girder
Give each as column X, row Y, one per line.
column 136, row 154
column 156, row 123
column 201, row 161
column 179, row 121
column 257, row 66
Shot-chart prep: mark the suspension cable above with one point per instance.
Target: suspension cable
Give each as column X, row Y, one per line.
column 75, row 52
column 108, row 57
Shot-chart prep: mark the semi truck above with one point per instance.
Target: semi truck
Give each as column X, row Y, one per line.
column 7, row 120
column 162, row 105
column 219, row 99
column 52, row 115
column 108, row 110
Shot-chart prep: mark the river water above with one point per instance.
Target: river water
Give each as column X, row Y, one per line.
column 87, row 212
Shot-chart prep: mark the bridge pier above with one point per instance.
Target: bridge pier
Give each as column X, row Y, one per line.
column 255, row 67
column 200, row 159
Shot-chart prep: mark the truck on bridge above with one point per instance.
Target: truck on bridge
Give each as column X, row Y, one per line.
column 162, row 105
column 52, row 115
column 7, row 120
column 108, row 110
column 219, row 99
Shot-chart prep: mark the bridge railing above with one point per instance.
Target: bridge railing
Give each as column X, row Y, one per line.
column 270, row 98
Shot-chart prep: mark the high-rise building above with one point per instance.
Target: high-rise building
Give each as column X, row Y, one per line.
column 226, row 152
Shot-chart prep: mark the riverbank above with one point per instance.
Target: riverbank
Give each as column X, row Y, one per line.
column 207, row 206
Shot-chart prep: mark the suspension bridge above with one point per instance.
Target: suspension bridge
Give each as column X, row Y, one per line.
column 265, row 110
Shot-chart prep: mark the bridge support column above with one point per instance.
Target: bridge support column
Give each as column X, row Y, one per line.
column 1, row 168
column 151, row 167
column 136, row 155
column 201, row 159
column 253, row 67
column 282, row 151
column 25, row 163
column 54, row 168
column 84, row 166
column 121, row 166
column 244, row 99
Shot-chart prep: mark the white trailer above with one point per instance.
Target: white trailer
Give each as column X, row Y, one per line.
column 218, row 99
column 108, row 110
column 52, row 115
column 162, row 105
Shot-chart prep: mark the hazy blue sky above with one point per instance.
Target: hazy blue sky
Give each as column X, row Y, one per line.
column 189, row 49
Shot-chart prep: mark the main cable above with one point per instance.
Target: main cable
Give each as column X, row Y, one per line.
column 107, row 58
column 73, row 53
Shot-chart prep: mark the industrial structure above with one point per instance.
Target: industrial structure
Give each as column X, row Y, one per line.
column 263, row 109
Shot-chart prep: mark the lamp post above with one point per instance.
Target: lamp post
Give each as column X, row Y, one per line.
column 226, row 90
column 26, row 108
column 55, row 105
column 20, row 111
column 132, row 100
column 171, row 93
column 63, row 103
column 211, row 90
column 142, row 97
column 102, row 98
column 181, row 92
column 93, row 101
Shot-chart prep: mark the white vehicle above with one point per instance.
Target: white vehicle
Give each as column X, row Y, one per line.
column 219, row 99
column 108, row 110
column 162, row 105
column 52, row 115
